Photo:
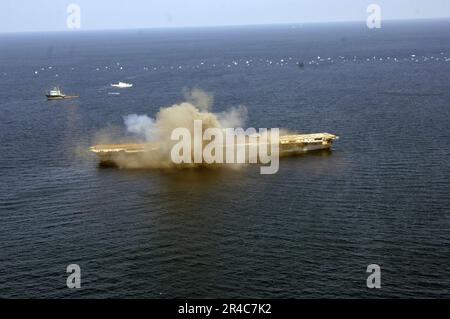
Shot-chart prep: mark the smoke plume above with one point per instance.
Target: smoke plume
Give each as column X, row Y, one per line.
column 156, row 132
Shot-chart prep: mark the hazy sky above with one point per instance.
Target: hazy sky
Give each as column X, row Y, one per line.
column 51, row 15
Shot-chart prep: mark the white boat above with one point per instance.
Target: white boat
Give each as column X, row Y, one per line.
column 122, row 85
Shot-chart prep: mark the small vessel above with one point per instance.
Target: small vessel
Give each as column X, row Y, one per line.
column 122, row 85
column 56, row 94
column 111, row 154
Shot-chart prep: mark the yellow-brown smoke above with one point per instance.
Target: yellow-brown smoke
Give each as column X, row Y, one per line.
column 156, row 132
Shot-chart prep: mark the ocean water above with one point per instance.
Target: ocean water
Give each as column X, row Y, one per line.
column 309, row 231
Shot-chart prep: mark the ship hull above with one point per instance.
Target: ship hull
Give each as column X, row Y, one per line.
column 66, row 97
column 114, row 159
column 300, row 149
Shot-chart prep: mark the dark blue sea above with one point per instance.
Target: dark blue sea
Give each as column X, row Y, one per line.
column 309, row 231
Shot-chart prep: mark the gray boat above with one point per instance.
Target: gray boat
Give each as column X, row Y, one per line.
column 56, row 94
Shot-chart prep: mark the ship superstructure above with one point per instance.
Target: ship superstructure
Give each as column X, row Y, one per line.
column 57, row 94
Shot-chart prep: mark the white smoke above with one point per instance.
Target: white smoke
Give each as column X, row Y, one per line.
column 156, row 131
column 199, row 98
column 140, row 125
column 183, row 115
column 235, row 117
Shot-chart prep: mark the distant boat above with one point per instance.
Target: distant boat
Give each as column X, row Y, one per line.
column 56, row 94
column 122, row 85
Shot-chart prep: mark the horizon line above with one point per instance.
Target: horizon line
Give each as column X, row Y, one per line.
column 81, row 30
